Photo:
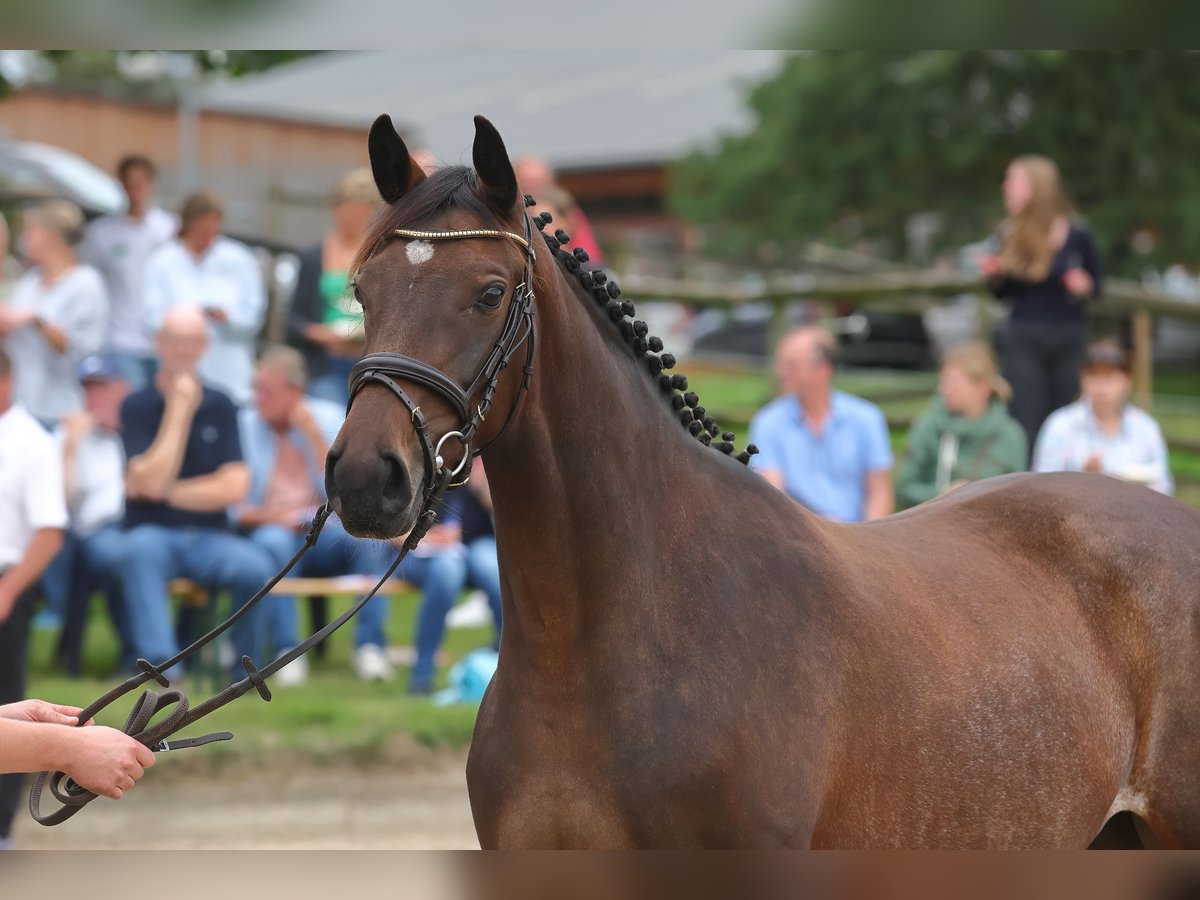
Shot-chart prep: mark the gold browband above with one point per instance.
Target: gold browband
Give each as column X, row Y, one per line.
column 450, row 235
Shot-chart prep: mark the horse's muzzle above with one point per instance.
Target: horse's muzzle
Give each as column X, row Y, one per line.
column 372, row 492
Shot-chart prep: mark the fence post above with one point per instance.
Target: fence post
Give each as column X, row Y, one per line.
column 1143, row 358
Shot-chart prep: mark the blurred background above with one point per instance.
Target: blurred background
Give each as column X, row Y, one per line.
column 733, row 193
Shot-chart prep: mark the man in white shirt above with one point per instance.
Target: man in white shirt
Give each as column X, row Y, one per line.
column 220, row 276
column 31, row 533
column 119, row 247
column 94, row 483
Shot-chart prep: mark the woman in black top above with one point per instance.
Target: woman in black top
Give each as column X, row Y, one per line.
column 1047, row 269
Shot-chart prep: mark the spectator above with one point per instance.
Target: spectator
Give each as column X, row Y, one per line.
column 1048, row 267
column 1103, row 432
column 826, row 449
column 119, row 246
column 31, row 533
column 479, row 539
column 324, row 321
column 184, row 471
column 219, row 276
column 536, row 177
column 966, row 433
column 286, row 437
column 36, row 736
column 94, row 481
column 57, row 316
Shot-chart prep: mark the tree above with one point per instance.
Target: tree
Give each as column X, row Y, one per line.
column 849, row 146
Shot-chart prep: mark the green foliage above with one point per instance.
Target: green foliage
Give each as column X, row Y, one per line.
column 849, row 145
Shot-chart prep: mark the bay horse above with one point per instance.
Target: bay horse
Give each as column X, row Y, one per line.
column 691, row 659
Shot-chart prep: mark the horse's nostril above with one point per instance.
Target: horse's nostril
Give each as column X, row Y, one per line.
column 396, row 488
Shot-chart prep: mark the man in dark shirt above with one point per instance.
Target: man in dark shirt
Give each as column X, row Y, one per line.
column 184, row 471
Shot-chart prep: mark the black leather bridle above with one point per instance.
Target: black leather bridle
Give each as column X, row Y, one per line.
column 386, row 369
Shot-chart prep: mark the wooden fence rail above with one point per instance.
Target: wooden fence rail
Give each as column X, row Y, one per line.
column 915, row 292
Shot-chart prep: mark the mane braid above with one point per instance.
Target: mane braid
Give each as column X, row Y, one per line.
column 635, row 333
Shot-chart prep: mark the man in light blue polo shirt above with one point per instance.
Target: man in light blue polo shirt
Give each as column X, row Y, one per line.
column 828, row 450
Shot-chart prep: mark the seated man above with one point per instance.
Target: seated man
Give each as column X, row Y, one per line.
column 826, row 449
column 1103, row 432
column 94, row 482
column 286, row 435
column 184, row 471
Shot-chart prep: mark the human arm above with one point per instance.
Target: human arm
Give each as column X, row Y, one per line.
column 102, row 760
column 770, row 461
column 478, row 485
column 880, row 499
column 1085, row 279
column 239, row 307
column 1053, row 451
column 74, row 427
column 42, row 548
column 151, row 472
column 213, row 492
column 306, row 315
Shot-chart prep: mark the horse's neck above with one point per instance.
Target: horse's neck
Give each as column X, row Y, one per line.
column 582, row 477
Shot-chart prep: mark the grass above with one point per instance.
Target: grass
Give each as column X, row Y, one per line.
column 334, row 715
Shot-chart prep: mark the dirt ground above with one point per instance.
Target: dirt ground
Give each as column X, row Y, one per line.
column 421, row 805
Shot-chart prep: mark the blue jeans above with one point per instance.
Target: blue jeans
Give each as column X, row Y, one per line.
column 441, row 578
column 335, row 553
column 94, row 560
column 483, row 571
column 151, row 555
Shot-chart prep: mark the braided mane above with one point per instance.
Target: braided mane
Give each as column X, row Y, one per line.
column 644, row 345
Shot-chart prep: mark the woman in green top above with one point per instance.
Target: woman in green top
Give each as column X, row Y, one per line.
column 966, row 433
column 324, row 322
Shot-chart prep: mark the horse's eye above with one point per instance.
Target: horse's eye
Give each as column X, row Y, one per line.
column 492, row 296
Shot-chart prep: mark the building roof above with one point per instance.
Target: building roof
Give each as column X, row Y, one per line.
column 578, row 108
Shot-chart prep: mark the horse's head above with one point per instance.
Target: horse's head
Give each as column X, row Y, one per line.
column 436, row 303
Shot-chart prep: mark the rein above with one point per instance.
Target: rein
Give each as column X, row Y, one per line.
column 385, row 369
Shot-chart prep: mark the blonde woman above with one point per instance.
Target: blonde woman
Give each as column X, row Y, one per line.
column 1047, row 269
column 324, row 323
column 966, row 433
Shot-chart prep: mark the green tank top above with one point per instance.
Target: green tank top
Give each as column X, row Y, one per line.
column 341, row 312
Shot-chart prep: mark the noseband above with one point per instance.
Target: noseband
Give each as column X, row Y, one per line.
column 388, row 369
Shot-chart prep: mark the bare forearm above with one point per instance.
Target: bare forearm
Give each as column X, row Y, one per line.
column 34, row 746
column 210, row 493
column 150, row 475
column 42, row 548
column 881, row 501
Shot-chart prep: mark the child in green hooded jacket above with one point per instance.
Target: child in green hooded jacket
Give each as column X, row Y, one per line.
column 966, row 433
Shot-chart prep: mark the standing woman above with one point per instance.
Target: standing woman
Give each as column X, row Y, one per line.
column 1047, row 269
column 324, row 323
column 58, row 313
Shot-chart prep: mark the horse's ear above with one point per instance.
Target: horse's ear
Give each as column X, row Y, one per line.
column 396, row 172
column 495, row 171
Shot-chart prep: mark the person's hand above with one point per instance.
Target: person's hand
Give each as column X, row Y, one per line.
column 302, row 418
column 1078, row 282
column 78, row 424
column 41, row 711
column 1093, row 463
column 186, row 391
column 216, row 314
column 989, row 265
column 106, row 761
column 324, row 335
